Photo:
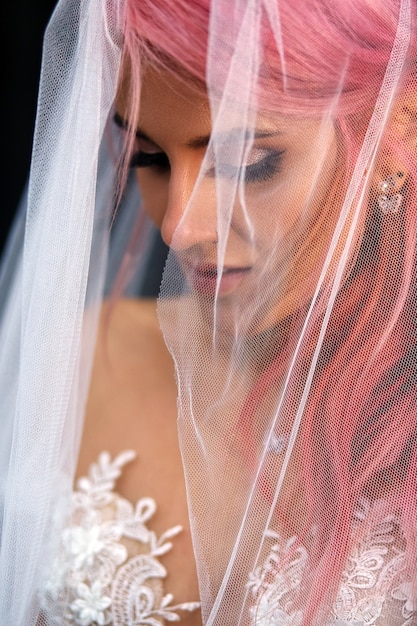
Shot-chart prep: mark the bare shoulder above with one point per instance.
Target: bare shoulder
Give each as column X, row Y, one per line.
column 129, row 336
column 130, row 321
column 133, row 390
column 132, row 405
column 131, row 356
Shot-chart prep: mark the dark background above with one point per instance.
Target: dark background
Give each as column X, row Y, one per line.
column 24, row 23
column 24, row 27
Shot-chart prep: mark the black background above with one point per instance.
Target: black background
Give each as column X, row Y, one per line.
column 23, row 30
column 23, row 26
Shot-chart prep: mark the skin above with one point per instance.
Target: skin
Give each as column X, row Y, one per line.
column 127, row 410
column 280, row 232
column 132, row 402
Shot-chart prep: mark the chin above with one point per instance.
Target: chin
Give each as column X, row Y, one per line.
column 238, row 319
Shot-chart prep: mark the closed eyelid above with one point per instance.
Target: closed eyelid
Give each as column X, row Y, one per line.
column 259, row 169
column 203, row 141
column 256, row 155
column 140, row 136
column 145, row 145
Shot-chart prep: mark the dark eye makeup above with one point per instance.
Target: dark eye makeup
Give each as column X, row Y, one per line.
column 145, row 152
column 158, row 160
column 265, row 169
column 262, row 169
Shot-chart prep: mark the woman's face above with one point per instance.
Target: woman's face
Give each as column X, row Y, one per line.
column 268, row 233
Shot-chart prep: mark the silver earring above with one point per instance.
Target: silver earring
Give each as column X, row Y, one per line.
column 388, row 201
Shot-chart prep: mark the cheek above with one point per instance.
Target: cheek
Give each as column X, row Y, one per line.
column 284, row 213
column 297, row 201
column 304, row 199
column 154, row 190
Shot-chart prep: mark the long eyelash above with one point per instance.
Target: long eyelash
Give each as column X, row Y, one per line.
column 147, row 159
column 265, row 169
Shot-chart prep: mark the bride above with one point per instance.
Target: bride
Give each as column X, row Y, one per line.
column 242, row 449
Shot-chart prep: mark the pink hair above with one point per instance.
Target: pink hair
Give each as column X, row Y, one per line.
column 373, row 409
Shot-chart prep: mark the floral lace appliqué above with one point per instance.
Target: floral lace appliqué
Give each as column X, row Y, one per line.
column 374, row 590
column 108, row 569
column 274, row 585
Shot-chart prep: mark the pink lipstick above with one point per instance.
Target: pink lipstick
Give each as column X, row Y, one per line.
column 204, row 278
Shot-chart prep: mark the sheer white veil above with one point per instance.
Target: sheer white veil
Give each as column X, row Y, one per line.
column 257, row 381
column 280, row 379
column 52, row 285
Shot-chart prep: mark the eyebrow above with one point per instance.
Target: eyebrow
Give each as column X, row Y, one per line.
column 201, row 141
column 124, row 124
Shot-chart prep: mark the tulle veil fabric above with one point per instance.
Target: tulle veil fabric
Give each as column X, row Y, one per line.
column 287, row 385
column 53, row 276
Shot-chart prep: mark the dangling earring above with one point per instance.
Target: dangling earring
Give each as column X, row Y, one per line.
column 388, row 201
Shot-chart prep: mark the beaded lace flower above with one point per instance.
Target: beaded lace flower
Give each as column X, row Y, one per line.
column 374, row 591
column 108, row 569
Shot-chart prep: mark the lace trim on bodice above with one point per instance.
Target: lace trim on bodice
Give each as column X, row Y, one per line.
column 375, row 589
column 108, row 569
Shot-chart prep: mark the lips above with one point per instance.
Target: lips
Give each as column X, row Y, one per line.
column 204, row 278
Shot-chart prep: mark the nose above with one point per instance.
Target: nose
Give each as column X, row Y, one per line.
column 190, row 216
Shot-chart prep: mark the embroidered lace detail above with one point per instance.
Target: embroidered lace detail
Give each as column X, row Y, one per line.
column 375, row 589
column 107, row 570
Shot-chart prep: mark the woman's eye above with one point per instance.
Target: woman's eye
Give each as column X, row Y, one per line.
column 158, row 160
column 147, row 154
column 261, row 165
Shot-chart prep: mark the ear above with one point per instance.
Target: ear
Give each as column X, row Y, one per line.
column 399, row 139
column 405, row 113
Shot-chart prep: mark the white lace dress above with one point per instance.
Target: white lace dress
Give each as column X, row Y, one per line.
column 375, row 589
column 108, row 569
